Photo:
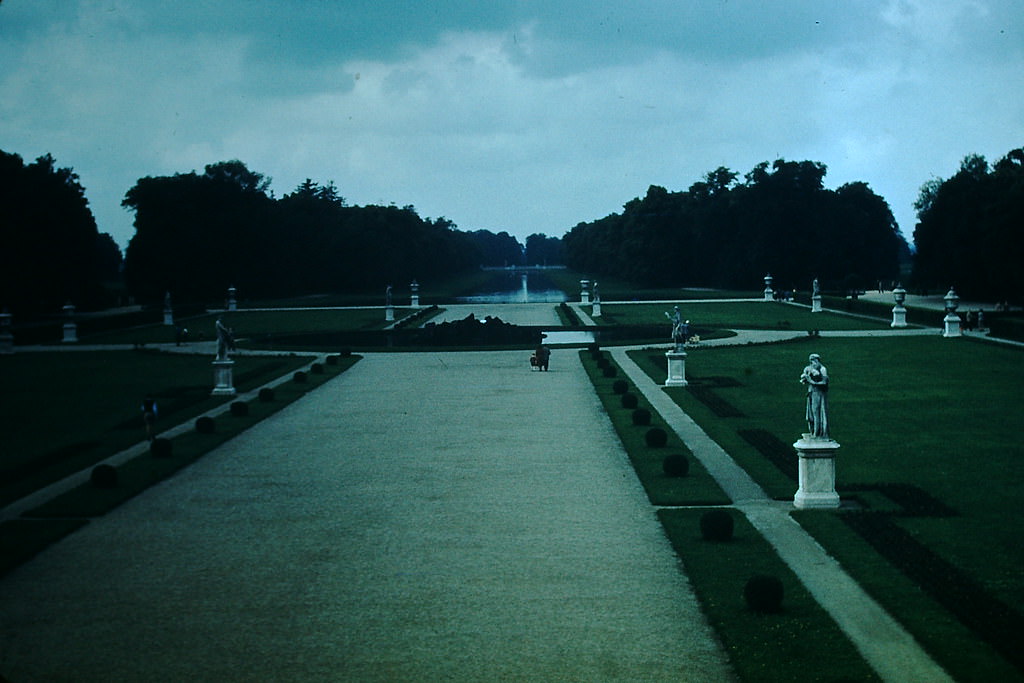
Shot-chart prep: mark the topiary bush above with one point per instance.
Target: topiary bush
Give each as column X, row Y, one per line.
column 594, row 347
column 675, row 465
column 641, row 417
column 103, row 477
column 299, row 377
column 610, row 371
column 266, row 394
column 205, row 425
column 620, row 386
column 239, row 408
column 716, row 525
column 316, row 368
column 603, row 362
column 764, row 594
column 332, row 360
column 629, row 401
column 656, row 437
column 161, row 448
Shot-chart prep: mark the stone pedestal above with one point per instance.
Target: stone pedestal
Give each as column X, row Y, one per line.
column 676, row 369
column 70, row 333
column 168, row 317
column 223, row 381
column 899, row 316
column 595, row 311
column 816, row 303
column 952, row 325
column 232, row 301
column 415, row 298
column 389, row 314
column 769, row 293
column 584, row 291
column 816, row 473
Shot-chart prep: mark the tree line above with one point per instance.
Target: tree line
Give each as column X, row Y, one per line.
column 970, row 230
column 51, row 252
column 728, row 233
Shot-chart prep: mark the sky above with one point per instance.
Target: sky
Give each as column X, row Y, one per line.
column 527, row 116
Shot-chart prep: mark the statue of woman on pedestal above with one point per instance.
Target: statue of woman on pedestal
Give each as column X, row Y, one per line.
column 816, row 378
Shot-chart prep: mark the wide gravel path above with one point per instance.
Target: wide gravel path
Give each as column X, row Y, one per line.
column 424, row 517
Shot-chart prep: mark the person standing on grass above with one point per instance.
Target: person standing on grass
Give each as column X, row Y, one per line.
column 816, row 378
column 149, row 411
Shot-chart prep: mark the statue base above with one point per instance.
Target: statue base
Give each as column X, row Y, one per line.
column 817, row 473
column 415, row 300
column 816, row 304
column 168, row 318
column 222, row 378
column 595, row 311
column 585, row 298
column 952, row 325
column 676, row 369
column 389, row 314
column 899, row 317
column 70, row 333
column 769, row 295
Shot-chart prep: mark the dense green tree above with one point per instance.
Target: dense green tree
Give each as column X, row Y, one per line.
column 197, row 234
column 497, row 250
column 725, row 233
column 542, row 250
column 970, row 230
column 50, row 249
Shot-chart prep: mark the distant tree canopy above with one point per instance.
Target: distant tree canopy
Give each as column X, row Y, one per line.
column 542, row 250
column 497, row 250
column 970, row 230
column 198, row 234
column 50, row 250
column 727, row 233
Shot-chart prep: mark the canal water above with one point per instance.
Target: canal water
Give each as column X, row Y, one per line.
column 515, row 287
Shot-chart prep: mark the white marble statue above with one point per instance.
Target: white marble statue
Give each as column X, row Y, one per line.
column 816, row 378
column 225, row 340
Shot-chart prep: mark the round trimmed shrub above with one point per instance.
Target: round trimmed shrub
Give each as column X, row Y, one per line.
column 345, row 353
column 675, row 465
column 205, row 425
column 716, row 525
column 239, row 408
column 266, row 394
column 299, row 376
column 764, row 594
column 610, row 371
column 317, row 368
column 161, row 448
column 620, row 386
column 641, row 417
column 629, row 401
column 332, row 359
column 103, row 477
column 603, row 362
column 594, row 347
column 656, row 437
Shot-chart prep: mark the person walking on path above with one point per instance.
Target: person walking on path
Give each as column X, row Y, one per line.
column 149, row 413
column 543, row 355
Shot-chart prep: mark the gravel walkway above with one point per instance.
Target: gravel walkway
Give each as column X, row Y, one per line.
column 423, row 517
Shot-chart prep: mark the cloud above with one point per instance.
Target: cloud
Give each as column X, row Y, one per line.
column 514, row 115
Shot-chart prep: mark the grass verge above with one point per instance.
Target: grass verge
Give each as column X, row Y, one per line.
column 23, row 538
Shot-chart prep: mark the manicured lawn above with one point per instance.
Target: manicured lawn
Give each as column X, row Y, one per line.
column 759, row 315
column 930, row 446
column 22, row 538
column 64, row 411
column 255, row 325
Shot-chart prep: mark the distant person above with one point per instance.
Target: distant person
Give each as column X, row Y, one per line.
column 542, row 354
column 149, row 412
